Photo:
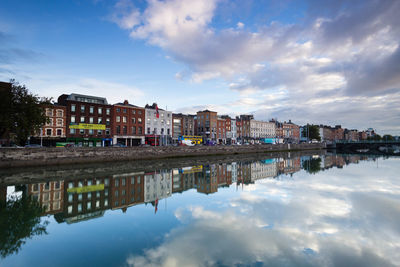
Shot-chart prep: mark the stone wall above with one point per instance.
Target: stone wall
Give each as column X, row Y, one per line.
column 24, row 157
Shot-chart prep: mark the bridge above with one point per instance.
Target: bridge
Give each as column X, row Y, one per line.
column 367, row 146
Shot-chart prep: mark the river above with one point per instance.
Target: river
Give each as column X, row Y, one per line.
column 299, row 209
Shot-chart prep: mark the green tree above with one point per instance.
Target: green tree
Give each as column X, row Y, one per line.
column 313, row 132
column 19, row 220
column 388, row 137
column 21, row 113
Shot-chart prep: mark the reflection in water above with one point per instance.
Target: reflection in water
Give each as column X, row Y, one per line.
column 324, row 220
column 19, row 221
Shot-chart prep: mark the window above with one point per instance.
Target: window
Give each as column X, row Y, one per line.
column 139, row 130
column 123, row 192
column 79, row 207
column 91, row 109
column 91, row 120
column 116, row 193
column 138, row 180
column 118, row 129
column 60, row 112
column 99, row 120
column 139, row 120
column 123, row 181
column 69, row 209
column 124, row 110
column 124, row 119
column 81, row 131
column 59, row 132
column 133, row 120
column 82, row 108
column 133, row 111
column 98, row 204
column 99, row 132
column 168, row 131
column 155, row 131
column 106, row 182
column 57, row 195
column 72, row 131
column 73, row 119
column 148, row 130
column 108, row 111
column 49, row 112
column 90, row 131
column 118, row 119
column 139, row 112
column 59, row 122
column 100, row 110
column 89, row 205
column 133, row 130
column 125, row 130
column 108, row 131
column 50, row 122
column 107, row 121
column 118, row 110
column 73, row 108
column 82, row 119
column 35, row 187
column 48, row 132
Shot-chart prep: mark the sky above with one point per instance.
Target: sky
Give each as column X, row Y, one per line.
column 324, row 62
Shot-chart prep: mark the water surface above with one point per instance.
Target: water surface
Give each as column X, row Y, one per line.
column 310, row 210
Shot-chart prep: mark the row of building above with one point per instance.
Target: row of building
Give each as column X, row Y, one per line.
column 77, row 199
column 92, row 121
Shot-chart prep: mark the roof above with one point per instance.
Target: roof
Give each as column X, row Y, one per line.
column 87, row 98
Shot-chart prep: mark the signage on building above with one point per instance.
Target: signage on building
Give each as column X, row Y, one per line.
column 86, row 189
column 88, row 126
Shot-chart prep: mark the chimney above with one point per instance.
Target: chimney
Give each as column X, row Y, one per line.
column 126, row 102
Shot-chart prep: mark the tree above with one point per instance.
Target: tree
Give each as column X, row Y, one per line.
column 313, row 132
column 388, row 137
column 19, row 220
column 21, row 112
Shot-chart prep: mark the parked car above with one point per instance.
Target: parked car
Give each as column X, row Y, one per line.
column 69, row 145
column 33, row 145
column 119, row 145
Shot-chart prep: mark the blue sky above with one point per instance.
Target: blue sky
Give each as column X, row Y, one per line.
column 329, row 62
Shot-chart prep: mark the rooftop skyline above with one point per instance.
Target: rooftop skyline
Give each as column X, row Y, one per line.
column 323, row 62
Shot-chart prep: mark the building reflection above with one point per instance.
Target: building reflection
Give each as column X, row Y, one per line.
column 74, row 200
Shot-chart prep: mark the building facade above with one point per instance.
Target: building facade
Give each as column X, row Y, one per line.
column 88, row 120
column 158, row 125
column 261, row 129
column 128, row 124
column 207, row 124
column 182, row 125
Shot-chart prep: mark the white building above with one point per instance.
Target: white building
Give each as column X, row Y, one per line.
column 157, row 186
column 159, row 123
column 262, row 129
column 261, row 170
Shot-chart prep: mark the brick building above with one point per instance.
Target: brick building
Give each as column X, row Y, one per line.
column 54, row 130
column 291, row 132
column 221, row 130
column 88, row 120
column 128, row 124
column 243, row 127
column 207, row 124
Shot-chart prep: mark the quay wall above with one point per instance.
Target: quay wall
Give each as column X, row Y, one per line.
column 30, row 157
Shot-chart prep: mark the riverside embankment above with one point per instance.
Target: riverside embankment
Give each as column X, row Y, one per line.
column 30, row 157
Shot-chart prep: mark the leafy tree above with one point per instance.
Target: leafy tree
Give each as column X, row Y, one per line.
column 19, row 220
column 21, row 113
column 313, row 132
column 388, row 137
column 312, row 165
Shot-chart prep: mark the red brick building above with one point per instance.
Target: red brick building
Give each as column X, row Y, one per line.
column 88, row 120
column 54, row 129
column 128, row 124
column 127, row 190
column 207, row 124
column 221, row 130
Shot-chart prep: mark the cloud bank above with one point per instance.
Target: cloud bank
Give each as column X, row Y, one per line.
column 340, row 62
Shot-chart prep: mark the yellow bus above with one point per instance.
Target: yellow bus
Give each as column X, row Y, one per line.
column 197, row 140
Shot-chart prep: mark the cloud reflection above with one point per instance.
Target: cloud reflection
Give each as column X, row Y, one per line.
column 320, row 220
